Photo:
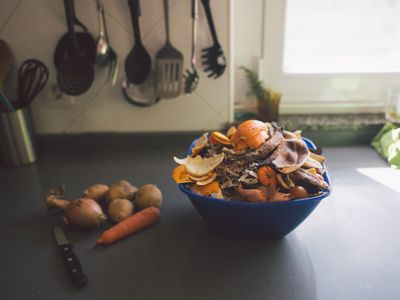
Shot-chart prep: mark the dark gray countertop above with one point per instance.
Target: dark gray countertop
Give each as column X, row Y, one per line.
column 347, row 249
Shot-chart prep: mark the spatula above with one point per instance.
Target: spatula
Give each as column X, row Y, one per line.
column 169, row 66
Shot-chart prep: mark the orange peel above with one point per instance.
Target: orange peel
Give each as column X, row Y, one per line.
column 198, row 166
column 212, row 140
column 221, row 138
column 180, row 175
column 207, row 180
column 200, row 178
column 200, row 144
column 250, row 133
column 209, row 189
column 257, row 140
column 231, row 132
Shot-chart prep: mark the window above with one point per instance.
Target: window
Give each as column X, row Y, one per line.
column 330, row 56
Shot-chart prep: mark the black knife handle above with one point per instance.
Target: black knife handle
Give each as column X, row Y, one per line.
column 71, row 261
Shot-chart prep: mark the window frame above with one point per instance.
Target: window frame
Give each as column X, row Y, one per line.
column 313, row 92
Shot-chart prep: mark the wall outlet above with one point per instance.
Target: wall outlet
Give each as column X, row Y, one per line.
column 53, row 97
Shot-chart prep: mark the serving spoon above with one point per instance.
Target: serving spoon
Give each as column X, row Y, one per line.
column 138, row 61
column 105, row 54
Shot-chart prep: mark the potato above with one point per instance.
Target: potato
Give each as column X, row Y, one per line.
column 121, row 190
column 148, row 195
column 96, row 191
column 120, row 209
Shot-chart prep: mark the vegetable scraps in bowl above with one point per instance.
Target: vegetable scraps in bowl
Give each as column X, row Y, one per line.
column 255, row 162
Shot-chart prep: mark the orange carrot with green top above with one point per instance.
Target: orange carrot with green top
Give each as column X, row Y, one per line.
column 130, row 225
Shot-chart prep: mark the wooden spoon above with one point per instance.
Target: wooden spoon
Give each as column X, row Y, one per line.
column 7, row 61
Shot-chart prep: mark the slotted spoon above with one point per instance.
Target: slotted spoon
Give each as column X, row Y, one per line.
column 169, row 66
column 214, row 60
column 74, row 60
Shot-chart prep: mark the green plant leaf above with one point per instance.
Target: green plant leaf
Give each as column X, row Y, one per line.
column 256, row 87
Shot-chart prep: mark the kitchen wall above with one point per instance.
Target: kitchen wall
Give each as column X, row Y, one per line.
column 247, row 39
column 32, row 29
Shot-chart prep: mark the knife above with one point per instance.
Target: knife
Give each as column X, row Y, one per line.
column 71, row 261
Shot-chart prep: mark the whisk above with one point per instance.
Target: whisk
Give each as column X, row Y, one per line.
column 32, row 77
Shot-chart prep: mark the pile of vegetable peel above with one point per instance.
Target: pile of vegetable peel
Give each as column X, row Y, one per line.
column 255, row 162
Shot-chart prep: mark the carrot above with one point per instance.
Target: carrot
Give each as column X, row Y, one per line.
column 267, row 176
column 130, row 225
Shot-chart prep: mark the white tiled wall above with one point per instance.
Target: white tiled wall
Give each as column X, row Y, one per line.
column 33, row 27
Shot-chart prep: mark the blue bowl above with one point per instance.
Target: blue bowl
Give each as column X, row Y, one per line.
column 256, row 220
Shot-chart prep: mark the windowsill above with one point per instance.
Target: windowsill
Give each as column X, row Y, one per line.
column 332, row 129
column 336, row 129
column 338, row 122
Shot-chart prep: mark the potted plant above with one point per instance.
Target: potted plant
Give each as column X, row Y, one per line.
column 267, row 100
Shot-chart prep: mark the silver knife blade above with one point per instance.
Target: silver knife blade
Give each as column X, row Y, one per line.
column 60, row 236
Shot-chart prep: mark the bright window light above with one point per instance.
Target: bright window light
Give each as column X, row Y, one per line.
column 342, row 36
column 386, row 176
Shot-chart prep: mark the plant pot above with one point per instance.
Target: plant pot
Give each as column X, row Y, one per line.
column 268, row 111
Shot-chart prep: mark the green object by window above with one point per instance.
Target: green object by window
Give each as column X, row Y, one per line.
column 387, row 144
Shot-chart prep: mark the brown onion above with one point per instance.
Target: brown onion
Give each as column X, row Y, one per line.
column 84, row 212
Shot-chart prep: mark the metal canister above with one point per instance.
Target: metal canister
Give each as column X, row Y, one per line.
column 17, row 138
